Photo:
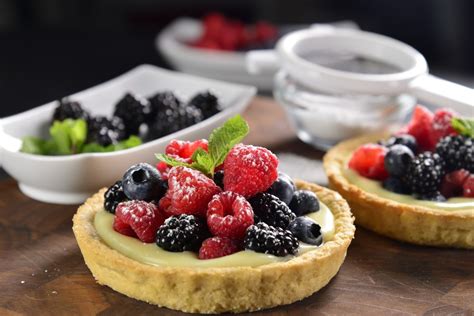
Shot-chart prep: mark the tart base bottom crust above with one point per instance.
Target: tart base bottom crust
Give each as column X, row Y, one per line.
column 410, row 223
column 217, row 290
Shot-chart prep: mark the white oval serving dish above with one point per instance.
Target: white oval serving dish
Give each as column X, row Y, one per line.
column 71, row 179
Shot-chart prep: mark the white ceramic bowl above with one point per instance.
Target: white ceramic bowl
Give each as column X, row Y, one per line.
column 222, row 65
column 71, row 179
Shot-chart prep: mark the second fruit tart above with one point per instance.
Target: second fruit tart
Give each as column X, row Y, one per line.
column 416, row 185
column 214, row 228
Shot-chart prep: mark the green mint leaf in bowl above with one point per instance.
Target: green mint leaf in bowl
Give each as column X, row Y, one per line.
column 464, row 126
column 69, row 137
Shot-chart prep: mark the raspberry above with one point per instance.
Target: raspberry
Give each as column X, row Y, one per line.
column 420, row 127
column 452, row 184
column 185, row 149
column 368, row 161
column 180, row 150
column 468, row 187
column 189, row 192
column 249, row 170
column 442, row 126
column 123, row 228
column 229, row 215
column 216, row 247
column 182, row 233
column 142, row 218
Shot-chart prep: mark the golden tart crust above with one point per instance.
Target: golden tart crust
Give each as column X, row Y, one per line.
column 411, row 223
column 217, row 290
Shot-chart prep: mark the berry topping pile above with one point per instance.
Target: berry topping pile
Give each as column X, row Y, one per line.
column 74, row 130
column 221, row 33
column 431, row 158
column 214, row 198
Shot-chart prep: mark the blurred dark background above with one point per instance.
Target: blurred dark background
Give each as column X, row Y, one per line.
column 52, row 48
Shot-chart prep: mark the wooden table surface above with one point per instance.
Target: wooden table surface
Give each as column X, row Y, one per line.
column 42, row 270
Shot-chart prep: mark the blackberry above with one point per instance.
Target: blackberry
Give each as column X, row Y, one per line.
column 457, row 151
column 435, row 196
column 182, row 233
column 113, row 196
column 206, row 102
column 105, row 131
column 169, row 121
column 162, row 101
column 133, row 110
column 271, row 210
column 272, row 240
column 69, row 110
column 424, row 173
column 404, row 139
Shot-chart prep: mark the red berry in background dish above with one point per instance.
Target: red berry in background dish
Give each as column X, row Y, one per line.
column 468, row 187
column 420, row 127
column 231, row 36
column 213, row 23
column 441, row 125
column 216, row 247
column 265, row 31
column 368, row 161
column 189, row 192
column 180, row 150
column 142, row 218
column 249, row 170
column 207, row 43
column 229, row 215
column 452, row 184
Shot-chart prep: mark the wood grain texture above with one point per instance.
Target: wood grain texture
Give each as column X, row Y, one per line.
column 42, row 271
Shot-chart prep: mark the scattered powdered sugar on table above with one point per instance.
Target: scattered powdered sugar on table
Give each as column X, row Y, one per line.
column 302, row 168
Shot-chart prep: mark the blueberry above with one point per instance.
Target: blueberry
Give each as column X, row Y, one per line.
column 395, row 185
column 283, row 188
column 404, row 139
column 306, row 230
column 397, row 160
column 304, row 202
column 143, row 182
column 219, row 178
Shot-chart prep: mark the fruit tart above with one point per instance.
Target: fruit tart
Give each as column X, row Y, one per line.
column 214, row 227
column 416, row 185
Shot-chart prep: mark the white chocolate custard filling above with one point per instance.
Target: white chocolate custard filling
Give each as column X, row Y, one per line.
column 375, row 187
column 154, row 255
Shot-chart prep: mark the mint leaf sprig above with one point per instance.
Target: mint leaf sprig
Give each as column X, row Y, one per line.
column 69, row 137
column 464, row 126
column 221, row 141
